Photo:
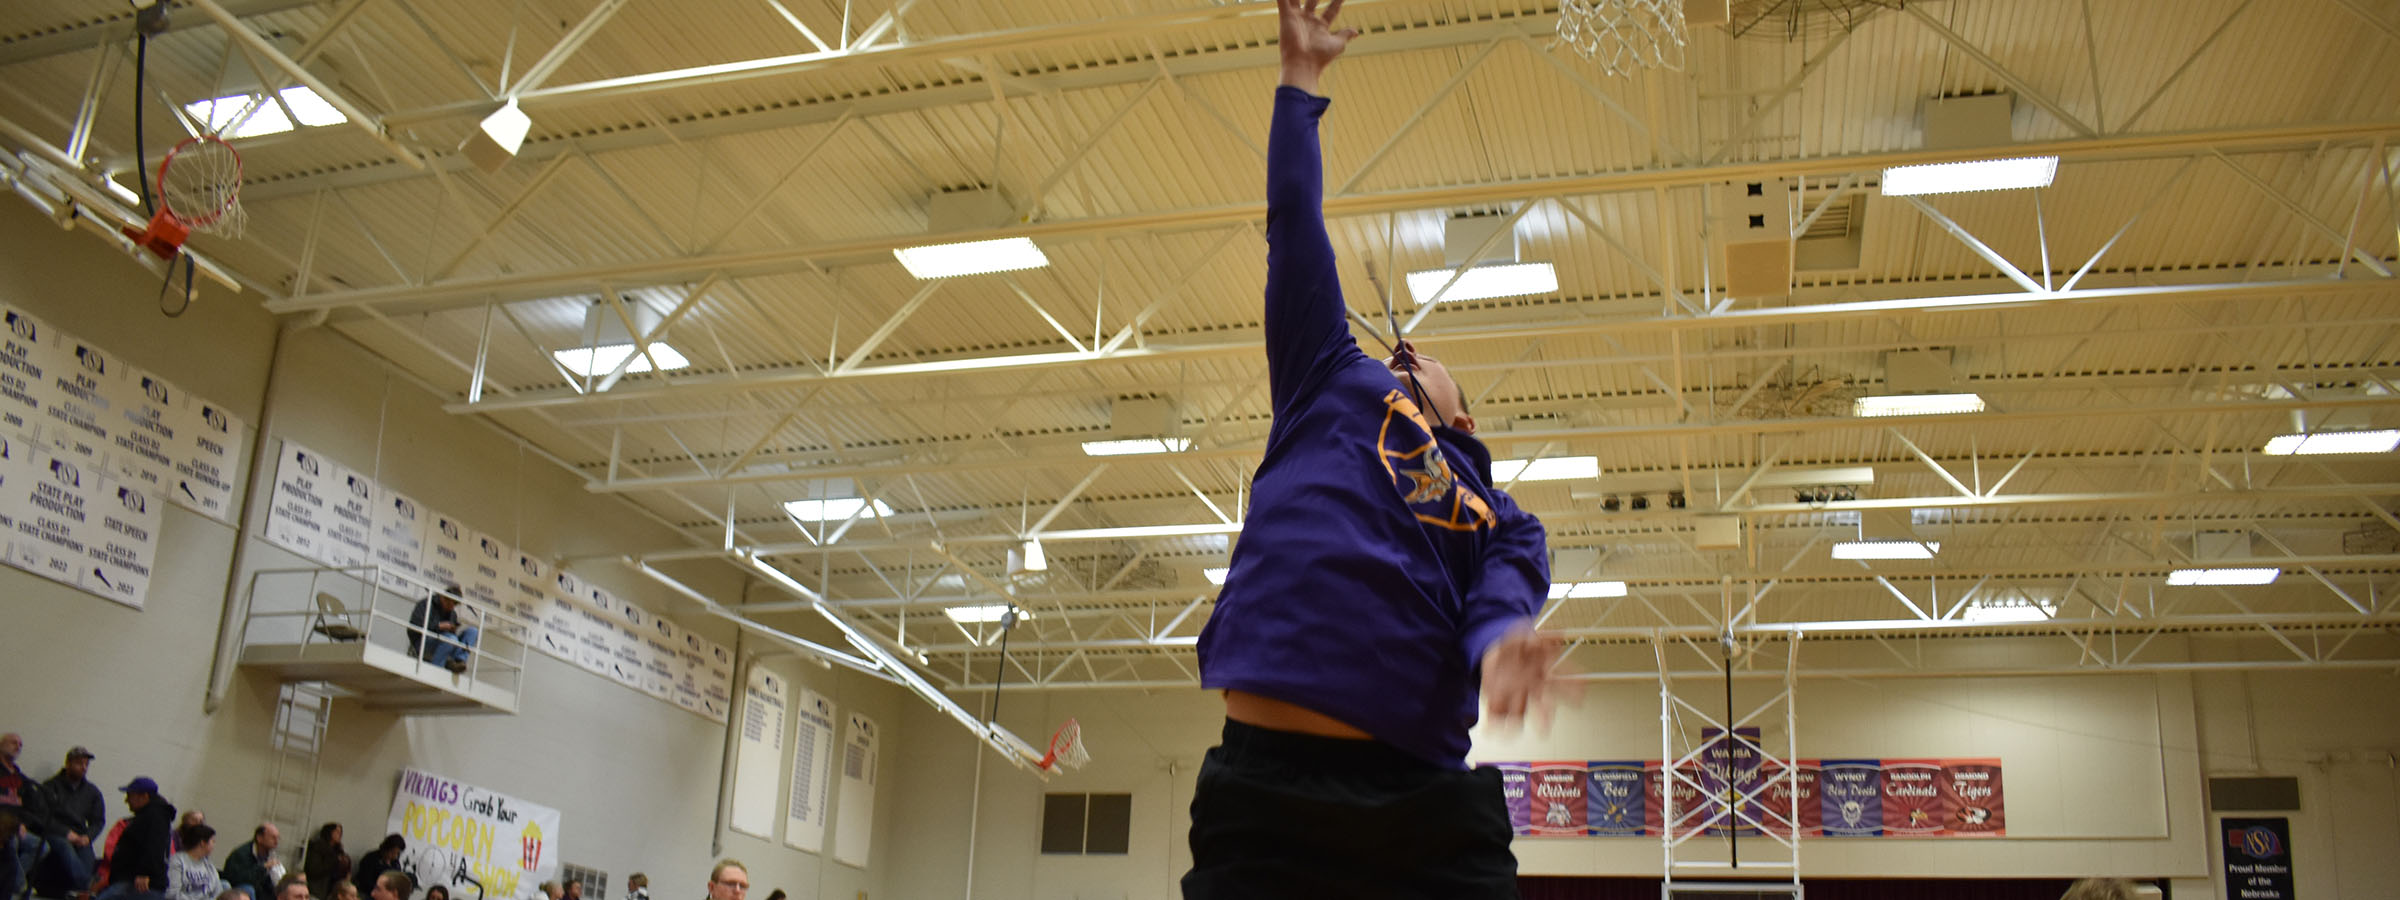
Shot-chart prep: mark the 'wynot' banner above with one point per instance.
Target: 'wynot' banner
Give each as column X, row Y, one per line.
column 480, row 844
column 1831, row 798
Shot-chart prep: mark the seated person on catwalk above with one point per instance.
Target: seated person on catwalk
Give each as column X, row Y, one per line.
column 435, row 634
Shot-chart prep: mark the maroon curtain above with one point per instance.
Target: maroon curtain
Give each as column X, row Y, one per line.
column 1561, row 888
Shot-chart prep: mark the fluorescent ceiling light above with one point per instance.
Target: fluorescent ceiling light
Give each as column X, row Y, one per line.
column 2193, row 577
column 839, row 509
column 1917, row 405
column 1557, row 468
column 1136, row 446
column 2008, row 611
column 968, row 614
column 239, row 116
column 313, row 111
column 1583, row 590
column 1886, row 549
column 2327, row 442
column 593, row 362
column 1485, row 282
column 1962, row 177
column 1216, row 575
column 971, row 258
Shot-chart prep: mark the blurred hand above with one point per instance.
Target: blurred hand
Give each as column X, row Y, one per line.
column 1519, row 684
column 1309, row 41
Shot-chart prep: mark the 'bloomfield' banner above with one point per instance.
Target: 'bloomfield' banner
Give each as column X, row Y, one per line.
column 1819, row 797
column 481, row 844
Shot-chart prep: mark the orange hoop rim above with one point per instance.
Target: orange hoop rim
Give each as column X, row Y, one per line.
column 166, row 197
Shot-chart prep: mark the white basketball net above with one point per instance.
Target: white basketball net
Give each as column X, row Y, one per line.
column 1624, row 36
column 1066, row 749
column 201, row 184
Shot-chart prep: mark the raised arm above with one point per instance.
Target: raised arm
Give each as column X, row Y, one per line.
column 1304, row 314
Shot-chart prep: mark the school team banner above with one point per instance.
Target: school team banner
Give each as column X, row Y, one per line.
column 338, row 516
column 478, row 843
column 90, row 451
column 1828, row 798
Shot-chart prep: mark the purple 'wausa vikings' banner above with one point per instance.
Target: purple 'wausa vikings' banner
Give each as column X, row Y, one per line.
column 1616, row 795
column 1729, row 772
column 1513, row 788
column 1853, row 793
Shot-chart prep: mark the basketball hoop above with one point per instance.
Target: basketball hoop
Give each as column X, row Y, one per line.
column 1066, row 749
column 1625, row 36
column 200, row 189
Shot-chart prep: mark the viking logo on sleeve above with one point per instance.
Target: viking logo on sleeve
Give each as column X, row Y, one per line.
column 1421, row 473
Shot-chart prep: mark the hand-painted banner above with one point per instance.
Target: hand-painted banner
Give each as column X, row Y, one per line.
column 335, row 516
column 475, row 843
column 1816, row 798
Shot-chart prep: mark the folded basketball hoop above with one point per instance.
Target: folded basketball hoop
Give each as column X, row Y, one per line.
column 1625, row 36
column 1066, row 749
column 199, row 189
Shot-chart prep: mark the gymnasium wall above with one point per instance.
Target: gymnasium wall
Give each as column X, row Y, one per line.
column 2104, row 776
column 636, row 780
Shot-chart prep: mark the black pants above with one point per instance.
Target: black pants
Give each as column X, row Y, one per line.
column 1278, row 814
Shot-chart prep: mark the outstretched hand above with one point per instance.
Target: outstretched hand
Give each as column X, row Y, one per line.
column 1309, row 41
column 1518, row 684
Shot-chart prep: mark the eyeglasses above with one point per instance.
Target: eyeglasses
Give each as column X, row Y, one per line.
column 736, row 885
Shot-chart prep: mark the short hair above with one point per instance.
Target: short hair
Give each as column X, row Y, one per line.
column 286, row 884
column 325, row 831
column 548, row 886
column 718, row 873
column 392, row 842
column 233, row 894
column 398, row 882
column 640, row 880
column 2100, row 889
column 191, row 836
column 261, row 830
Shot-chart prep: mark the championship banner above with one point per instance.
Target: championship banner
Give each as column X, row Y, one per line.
column 758, row 757
column 1816, row 798
column 857, row 826
column 480, row 844
column 812, row 774
column 299, row 513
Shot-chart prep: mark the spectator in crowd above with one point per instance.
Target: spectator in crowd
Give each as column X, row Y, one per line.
column 21, row 796
column 730, row 880
column 777, row 895
column 637, row 887
column 551, row 891
column 326, row 863
column 435, row 634
column 252, row 867
column 345, row 890
column 574, row 890
column 394, row 884
column 385, row 857
column 175, row 835
column 137, row 863
column 2100, row 889
column 292, row 887
column 189, row 875
column 437, row 892
column 77, row 813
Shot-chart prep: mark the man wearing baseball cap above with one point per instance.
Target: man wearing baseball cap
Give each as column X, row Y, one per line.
column 138, row 864
column 77, row 814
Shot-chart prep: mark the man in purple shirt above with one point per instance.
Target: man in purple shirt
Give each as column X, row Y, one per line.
column 1380, row 584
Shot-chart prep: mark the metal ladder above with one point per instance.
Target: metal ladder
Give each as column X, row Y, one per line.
column 303, row 709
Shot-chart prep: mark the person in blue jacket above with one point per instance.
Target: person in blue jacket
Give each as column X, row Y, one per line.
column 1381, row 584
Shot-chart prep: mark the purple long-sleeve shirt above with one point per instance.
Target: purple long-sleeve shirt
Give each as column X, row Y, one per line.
column 1377, row 563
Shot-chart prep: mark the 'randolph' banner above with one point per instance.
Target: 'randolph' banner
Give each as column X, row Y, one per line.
column 480, row 844
column 1948, row 798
